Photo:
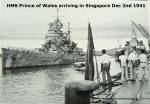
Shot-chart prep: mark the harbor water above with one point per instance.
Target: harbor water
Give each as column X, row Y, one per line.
column 37, row 85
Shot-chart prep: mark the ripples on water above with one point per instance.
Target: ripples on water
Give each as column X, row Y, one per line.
column 38, row 85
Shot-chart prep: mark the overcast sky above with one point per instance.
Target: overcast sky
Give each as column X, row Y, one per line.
column 105, row 22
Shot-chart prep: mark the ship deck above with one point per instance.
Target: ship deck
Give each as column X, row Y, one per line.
column 131, row 90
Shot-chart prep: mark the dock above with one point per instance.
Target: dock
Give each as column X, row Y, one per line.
column 131, row 92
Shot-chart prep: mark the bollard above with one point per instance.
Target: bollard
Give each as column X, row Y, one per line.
column 78, row 92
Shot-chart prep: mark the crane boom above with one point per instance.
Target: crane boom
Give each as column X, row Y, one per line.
column 144, row 30
column 141, row 29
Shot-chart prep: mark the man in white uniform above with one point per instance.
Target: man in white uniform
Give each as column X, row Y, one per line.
column 132, row 58
column 123, row 59
column 105, row 66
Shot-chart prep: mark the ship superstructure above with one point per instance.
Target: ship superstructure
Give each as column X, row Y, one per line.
column 56, row 39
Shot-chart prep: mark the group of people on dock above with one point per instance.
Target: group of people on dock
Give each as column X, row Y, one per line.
column 134, row 65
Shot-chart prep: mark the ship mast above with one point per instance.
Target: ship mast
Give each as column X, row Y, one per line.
column 58, row 24
column 69, row 30
column 133, row 41
column 134, row 33
column 57, row 20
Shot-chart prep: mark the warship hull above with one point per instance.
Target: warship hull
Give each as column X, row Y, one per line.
column 15, row 58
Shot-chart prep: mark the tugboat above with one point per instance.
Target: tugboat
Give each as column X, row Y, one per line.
column 56, row 50
column 79, row 66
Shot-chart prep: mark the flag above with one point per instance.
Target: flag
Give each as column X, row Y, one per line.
column 89, row 68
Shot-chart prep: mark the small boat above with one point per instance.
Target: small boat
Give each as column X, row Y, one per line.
column 80, row 66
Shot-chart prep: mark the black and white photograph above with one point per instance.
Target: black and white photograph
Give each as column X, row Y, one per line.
column 74, row 52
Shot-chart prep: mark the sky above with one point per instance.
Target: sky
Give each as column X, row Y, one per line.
column 32, row 23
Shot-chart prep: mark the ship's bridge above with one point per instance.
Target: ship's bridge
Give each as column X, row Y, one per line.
column 49, row 37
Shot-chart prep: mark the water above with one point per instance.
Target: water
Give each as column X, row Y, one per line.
column 37, row 85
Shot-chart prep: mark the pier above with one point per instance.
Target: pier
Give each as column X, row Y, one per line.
column 131, row 93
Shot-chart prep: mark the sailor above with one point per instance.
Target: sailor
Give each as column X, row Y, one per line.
column 123, row 59
column 142, row 45
column 143, row 71
column 132, row 60
column 105, row 66
column 126, row 49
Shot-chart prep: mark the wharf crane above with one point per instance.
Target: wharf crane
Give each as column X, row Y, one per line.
column 143, row 31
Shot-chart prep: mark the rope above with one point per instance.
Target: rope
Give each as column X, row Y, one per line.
column 108, row 87
column 118, row 89
column 98, row 100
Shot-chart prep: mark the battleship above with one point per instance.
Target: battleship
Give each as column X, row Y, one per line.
column 58, row 49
